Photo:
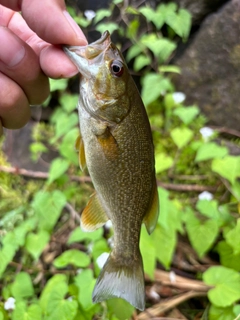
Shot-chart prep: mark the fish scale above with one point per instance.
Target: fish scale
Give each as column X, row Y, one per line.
column 116, row 144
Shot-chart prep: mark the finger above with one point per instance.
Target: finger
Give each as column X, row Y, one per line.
column 20, row 63
column 52, row 23
column 54, row 63
column 14, row 107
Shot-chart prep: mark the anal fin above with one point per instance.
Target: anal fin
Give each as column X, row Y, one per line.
column 94, row 215
column 79, row 146
column 151, row 217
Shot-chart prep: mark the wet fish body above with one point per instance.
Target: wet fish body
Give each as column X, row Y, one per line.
column 116, row 146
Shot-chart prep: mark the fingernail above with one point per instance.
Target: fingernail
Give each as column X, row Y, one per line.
column 75, row 27
column 12, row 51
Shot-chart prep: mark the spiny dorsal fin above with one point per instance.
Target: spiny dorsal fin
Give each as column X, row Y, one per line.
column 151, row 217
column 94, row 215
column 79, row 146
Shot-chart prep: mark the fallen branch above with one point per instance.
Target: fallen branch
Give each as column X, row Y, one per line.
column 168, row 186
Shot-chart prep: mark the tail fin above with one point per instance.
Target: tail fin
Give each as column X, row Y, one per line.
column 122, row 281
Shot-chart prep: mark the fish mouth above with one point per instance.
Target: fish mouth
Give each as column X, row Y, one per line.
column 83, row 56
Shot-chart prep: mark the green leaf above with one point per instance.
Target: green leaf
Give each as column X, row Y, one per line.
column 120, row 308
column 181, row 136
column 85, row 283
column 186, row 114
column 162, row 162
column 133, row 51
column 110, row 26
column 36, row 242
column 141, row 61
column 155, row 17
column 206, row 232
column 67, row 148
column 58, row 167
column 69, row 102
column 209, row 208
column 154, row 85
column 227, row 258
column 148, row 252
column 59, row 84
column 101, row 14
column 162, row 48
column 21, row 311
column 64, row 123
column 74, row 257
column 233, row 238
column 180, row 22
column 228, row 167
column 78, row 235
column 48, row 207
column 170, row 68
column 22, row 286
column 210, row 150
column 227, row 285
column 216, row 313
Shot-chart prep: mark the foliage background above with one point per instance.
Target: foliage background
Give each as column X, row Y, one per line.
column 49, row 266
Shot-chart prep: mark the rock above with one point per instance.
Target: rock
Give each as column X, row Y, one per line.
column 211, row 67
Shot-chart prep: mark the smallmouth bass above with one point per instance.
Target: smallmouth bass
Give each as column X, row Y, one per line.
column 116, row 146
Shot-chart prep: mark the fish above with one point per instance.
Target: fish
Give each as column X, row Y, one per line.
column 116, row 146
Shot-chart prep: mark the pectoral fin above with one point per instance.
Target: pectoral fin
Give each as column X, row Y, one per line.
column 79, row 146
column 94, row 215
column 151, row 218
column 109, row 144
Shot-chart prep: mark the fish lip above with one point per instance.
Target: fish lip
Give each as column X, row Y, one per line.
column 79, row 56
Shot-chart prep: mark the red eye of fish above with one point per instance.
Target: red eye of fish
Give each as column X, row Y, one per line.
column 117, row 68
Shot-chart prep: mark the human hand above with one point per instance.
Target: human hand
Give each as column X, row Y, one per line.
column 30, row 52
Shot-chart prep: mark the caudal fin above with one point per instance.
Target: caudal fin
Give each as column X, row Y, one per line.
column 125, row 282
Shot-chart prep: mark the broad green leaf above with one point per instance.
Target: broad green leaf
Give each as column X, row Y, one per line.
column 110, row 26
column 58, row 167
column 186, row 114
column 151, row 15
column 181, row 136
column 48, row 207
column 227, row 285
column 180, row 22
column 33, row 312
column 101, row 14
column 154, row 85
column 148, row 252
column 216, row 313
column 133, row 28
column 209, row 208
column 78, row 235
column 64, row 123
column 227, row 258
column 210, row 150
column 141, row 61
column 162, row 48
column 85, row 283
column 72, row 256
column 69, row 102
column 120, row 308
column 233, row 238
column 133, row 51
column 206, row 232
column 59, row 84
column 22, row 286
column 162, row 162
column 6, row 255
column 228, row 167
column 67, row 146
column 36, row 242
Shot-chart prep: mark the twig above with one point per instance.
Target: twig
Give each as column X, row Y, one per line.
column 226, row 130
column 169, row 186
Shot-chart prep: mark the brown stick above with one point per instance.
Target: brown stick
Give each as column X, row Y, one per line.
column 168, row 186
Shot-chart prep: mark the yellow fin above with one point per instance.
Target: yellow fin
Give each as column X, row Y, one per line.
column 151, row 217
column 79, row 146
column 94, row 215
column 108, row 144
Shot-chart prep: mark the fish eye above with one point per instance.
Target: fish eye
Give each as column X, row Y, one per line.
column 117, row 68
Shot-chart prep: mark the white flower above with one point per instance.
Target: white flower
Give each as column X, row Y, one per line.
column 172, row 276
column 102, row 259
column 108, row 224
column 9, row 304
column 89, row 14
column 178, row 97
column 206, row 132
column 205, row 195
